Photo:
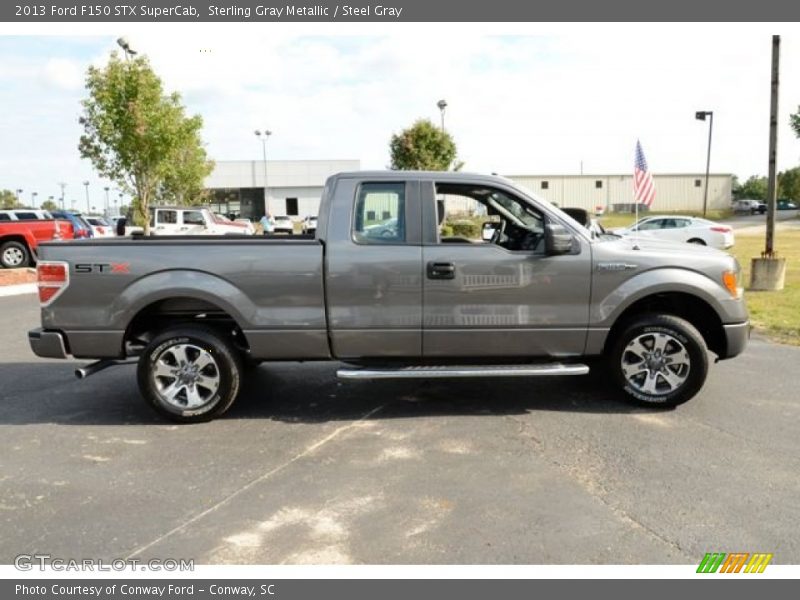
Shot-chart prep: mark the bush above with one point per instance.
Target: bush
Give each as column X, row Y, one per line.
column 447, row 230
column 466, row 229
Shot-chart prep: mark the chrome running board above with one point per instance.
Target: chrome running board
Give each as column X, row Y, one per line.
column 425, row 372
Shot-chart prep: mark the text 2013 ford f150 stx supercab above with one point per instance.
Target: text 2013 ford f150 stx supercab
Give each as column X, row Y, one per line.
column 380, row 288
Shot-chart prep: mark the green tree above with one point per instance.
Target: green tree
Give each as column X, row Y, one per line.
column 49, row 205
column 794, row 121
column 134, row 134
column 183, row 184
column 755, row 188
column 8, row 199
column 789, row 184
column 425, row 147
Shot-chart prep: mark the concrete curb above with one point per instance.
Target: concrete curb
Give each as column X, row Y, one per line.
column 17, row 289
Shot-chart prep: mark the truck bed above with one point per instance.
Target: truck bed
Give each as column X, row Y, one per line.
column 271, row 286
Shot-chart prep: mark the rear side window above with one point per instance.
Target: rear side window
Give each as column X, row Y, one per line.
column 26, row 216
column 169, row 217
column 193, row 217
column 4, row 217
column 380, row 213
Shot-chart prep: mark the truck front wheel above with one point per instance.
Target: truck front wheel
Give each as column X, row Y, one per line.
column 190, row 374
column 659, row 360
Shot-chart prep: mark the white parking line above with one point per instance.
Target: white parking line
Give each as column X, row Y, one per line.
column 17, row 289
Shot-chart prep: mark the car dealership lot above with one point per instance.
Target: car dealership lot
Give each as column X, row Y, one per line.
column 306, row 470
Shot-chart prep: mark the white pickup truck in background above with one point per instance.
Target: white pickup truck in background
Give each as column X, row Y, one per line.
column 183, row 220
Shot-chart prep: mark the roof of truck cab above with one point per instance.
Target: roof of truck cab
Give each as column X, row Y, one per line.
column 438, row 175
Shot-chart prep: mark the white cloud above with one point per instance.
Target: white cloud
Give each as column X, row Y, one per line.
column 63, row 73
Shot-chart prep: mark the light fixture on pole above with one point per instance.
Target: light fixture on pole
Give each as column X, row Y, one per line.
column 33, row 199
column 263, row 136
column 442, row 104
column 126, row 47
column 88, row 207
column 108, row 205
column 701, row 115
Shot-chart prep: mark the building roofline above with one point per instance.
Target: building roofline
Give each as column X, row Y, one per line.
column 601, row 175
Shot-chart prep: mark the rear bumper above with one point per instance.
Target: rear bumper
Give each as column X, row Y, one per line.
column 47, row 344
column 736, row 337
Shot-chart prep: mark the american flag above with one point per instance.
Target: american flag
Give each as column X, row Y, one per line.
column 644, row 190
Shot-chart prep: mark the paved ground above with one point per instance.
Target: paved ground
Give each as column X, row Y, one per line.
column 752, row 224
column 305, row 470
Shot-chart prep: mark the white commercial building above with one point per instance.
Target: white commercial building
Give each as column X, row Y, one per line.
column 294, row 187
column 674, row 192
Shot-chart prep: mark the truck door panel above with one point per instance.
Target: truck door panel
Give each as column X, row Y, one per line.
column 500, row 302
column 373, row 269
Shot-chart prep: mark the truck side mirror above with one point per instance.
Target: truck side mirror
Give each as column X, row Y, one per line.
column 557, row 239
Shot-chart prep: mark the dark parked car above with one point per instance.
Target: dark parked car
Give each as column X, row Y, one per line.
column 786, row 204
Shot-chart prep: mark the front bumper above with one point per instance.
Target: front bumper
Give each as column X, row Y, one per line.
column 736, row 337
column 47, row 344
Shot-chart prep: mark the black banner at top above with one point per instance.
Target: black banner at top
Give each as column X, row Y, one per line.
column 392, row 11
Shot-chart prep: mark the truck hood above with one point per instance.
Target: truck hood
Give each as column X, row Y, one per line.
column 650, row 245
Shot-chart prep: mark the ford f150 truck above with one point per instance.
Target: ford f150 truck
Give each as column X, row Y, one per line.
column 380, row 288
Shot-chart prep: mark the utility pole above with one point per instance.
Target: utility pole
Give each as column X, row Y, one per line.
column 772, row 179
column 769, row 271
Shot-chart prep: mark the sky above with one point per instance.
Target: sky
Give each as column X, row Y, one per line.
column 538, row 100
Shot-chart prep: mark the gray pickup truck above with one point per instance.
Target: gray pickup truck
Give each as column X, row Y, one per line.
column 384, row 288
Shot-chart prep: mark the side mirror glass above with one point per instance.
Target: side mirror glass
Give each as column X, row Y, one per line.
column 557, row 239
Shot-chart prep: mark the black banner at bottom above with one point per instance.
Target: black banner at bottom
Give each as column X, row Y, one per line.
column 387, row 589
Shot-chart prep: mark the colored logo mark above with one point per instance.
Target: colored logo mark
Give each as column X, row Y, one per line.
column 737, row 562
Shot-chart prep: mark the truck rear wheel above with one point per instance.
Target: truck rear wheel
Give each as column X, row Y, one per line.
column 14, row 255
column 190, row 374
column 659, row 360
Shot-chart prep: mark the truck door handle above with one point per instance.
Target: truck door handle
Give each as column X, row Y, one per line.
column 441, row 270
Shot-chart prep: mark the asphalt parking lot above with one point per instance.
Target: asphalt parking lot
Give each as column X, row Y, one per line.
column 306, row 470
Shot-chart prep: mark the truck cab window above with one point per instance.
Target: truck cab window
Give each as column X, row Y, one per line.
column 380, row 213
column 476, row 214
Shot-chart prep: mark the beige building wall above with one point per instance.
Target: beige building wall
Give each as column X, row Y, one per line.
column 674, row 192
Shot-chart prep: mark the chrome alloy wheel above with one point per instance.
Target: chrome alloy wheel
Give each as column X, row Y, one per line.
column 13, row 256
column 655, row 363
column 186, row 376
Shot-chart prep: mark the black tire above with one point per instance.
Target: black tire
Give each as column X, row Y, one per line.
column 216, row 386
column 14, row 255
column 685, row 354
column 697, row 241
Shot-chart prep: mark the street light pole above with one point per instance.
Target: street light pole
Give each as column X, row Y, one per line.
column 108, row 205
column 33, row 199
column 701, row 115
column 62, row 185
column 88, row 207
column 19, row 192
column 442, row 104
column 263, row 136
